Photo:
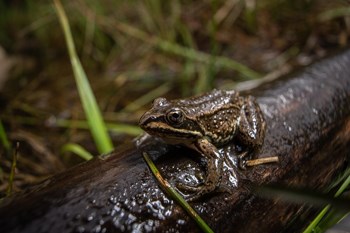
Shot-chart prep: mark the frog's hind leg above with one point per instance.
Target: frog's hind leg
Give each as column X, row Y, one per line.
column 213, row 170
column 251, row 129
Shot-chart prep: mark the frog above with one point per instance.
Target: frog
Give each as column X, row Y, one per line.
column 206, row 123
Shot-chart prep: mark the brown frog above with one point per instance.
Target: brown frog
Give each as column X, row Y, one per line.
column 204, row 123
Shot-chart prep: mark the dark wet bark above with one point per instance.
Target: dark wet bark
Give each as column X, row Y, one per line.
column 308, row 127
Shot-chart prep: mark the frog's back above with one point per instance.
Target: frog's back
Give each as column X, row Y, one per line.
column 207, row 103
column 216, row 112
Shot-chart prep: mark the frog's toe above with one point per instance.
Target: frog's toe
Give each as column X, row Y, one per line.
column 242, row 161
column 188, row 188
column 193, row 197
column 196, row 192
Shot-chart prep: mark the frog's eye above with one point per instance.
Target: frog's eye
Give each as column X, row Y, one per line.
column 175, row 116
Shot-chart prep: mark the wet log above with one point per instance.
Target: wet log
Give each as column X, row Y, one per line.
column 308, row 127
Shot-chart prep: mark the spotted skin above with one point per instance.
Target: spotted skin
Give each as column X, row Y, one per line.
column 205, row 123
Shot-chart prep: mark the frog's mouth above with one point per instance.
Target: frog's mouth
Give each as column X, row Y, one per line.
column 165, row 131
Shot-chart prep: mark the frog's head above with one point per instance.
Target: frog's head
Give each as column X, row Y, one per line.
column 170, row 121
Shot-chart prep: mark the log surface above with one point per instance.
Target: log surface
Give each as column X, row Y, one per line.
column 308, row 127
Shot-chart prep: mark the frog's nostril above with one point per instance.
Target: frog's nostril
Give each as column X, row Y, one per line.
column 145, row 119
column 142, row 120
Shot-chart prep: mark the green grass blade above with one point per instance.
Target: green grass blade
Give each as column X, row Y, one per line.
column 113, row 127
column 334, row 13
column 92, row 112
column 3, row 137
column 342, row 188
column 78, row 150
column 335, row 217
column 313, row 225
column 81, row 124
column 205, row 58
column 6, row 144
column 176, row 196
column 178, row 50
column 124, row 128
column 147, row 98
column 13, row 171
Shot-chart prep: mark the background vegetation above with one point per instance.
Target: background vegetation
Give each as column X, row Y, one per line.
column 132, row 52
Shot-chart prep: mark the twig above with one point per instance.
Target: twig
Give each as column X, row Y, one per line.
column 255, row 162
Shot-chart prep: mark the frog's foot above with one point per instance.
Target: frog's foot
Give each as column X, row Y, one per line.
column 141, row 139
column 196, row 191
column 213, row 170
column 188, row 188
column 144, row 139
column 242, row 160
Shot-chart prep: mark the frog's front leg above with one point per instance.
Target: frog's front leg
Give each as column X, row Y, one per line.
column 251, row 129
column 213, row 170
column 142, row 139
